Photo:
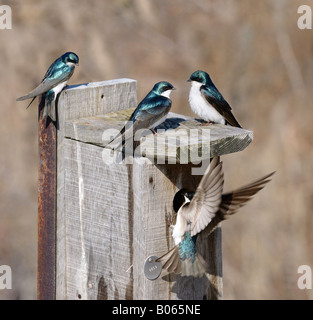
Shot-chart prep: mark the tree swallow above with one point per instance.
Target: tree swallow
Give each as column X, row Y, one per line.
column 150, row 112
column 54, row 81
column 207, row 102
column 199, row 212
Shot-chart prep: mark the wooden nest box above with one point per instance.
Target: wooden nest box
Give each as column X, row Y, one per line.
column 99, row 221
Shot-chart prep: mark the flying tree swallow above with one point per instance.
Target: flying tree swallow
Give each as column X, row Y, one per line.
column 200, row 212
column 150, row 112
column 54, row 81
column 207, row 102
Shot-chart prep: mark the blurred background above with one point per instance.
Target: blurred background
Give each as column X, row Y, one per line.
column 257, row 57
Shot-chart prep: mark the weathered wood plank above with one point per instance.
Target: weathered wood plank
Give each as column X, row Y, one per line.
column 98, row 231
column 96, row 98
column 154, row 187
column 185, row 139
column 75, row 102
column 111, row 216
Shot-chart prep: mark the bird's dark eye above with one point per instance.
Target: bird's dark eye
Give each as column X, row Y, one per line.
column 196, row 79
column 167, row 88
column 71, row 60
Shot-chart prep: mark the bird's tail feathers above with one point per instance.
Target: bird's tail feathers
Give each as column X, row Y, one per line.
column 171, row 261
column 50, row 110
column 31, row 102
column 127, row 147
column 173, row 264
column 130, row 146
column 123, row 142
column 24, row 98
column 50, row 106
column 196, row 269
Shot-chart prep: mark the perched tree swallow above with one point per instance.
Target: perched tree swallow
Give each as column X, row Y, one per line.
column 150, row 112
column 207, row 102
column 200, row 212
column 53, row 82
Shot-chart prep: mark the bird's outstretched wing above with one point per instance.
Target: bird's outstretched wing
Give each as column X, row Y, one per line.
column 216, row 100
column 232, row 201
column 230, row 204
column 207, row 199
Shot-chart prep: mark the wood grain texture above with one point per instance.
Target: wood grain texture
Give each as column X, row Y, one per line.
column 112, row 216
column 154, row 187
column 98, row 204
column 98, row 98
column 182, row 139
column 75, row 102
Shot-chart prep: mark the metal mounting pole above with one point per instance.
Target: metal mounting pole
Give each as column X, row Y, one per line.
column 47, row 178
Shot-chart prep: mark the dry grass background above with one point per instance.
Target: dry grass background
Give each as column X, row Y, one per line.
column 257, row 57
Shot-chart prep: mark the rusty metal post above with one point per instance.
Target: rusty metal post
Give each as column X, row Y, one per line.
column 47, row 181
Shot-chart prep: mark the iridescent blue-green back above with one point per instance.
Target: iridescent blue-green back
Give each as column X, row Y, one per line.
column 59, row 69
column 153, row 104
column 187, row 248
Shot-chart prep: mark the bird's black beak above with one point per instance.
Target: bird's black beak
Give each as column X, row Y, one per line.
column 188, row 80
